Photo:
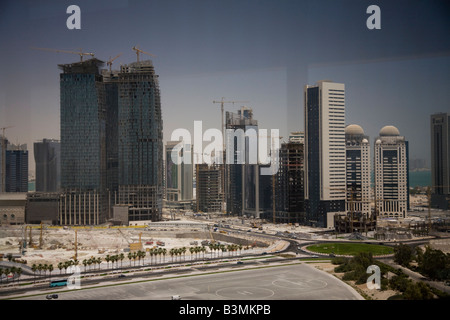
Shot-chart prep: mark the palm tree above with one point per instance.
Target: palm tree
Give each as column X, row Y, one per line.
column 85, row 264
column 121, row 257
column 19, row 273
column 13, row 271
column 50, row 269
column 130, row 256
column 89, row 262
column 34, row 268
column 99, row 261
column 107, row 261
column 60, row 267
column 203, row 250
column 134, row 257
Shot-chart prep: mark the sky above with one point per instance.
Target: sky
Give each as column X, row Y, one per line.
column 260, row 51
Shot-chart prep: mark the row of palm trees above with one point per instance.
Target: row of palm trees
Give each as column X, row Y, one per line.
column 12, row 270
column 154, row 252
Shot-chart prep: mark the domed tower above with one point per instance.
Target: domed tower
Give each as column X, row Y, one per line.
column 357, row 150
column 391, row 173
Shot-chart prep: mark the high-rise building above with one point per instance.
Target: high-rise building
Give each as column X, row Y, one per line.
column 324, row 152
column 140, row 145
column 358, row 173
column 391, row 173
column 209, row 185
column 47, row 156
column 440, row 160
column 289, row 184
column 3, row 143
column 16, row 177
column 83, row 143
column 238, row 122
column 179, row 177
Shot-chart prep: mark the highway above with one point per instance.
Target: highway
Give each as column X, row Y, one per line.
column 288, row 281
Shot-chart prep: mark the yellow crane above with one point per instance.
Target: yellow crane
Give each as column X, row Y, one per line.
column 138, row 51
column 109, row 62
column 80, row 53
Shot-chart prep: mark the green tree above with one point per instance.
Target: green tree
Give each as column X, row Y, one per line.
column 403, row 254
column 50, row 269
column 435, row 264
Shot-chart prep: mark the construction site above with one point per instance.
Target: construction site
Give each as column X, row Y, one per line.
column 46, row 244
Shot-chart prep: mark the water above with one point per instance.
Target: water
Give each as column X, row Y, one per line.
column 419, row 178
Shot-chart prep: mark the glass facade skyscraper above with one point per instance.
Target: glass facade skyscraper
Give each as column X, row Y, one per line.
column 440, row 160
column 140, row 145
column 47, row 155
column 16, row 177
column 83, row 124
column 83, row 143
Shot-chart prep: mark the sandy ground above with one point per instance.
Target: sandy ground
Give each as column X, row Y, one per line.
column 59, row 244
column 362, row 288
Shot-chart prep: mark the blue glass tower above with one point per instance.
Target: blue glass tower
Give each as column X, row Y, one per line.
column 140, row 144
column 83, row 143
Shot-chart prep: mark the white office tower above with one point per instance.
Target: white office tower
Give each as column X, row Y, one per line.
column 357, row 172
column 391, row 173
column 325, row 152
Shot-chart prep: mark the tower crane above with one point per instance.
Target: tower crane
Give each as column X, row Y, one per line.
column 109, row 62
column 138, row 51
column 80, row 53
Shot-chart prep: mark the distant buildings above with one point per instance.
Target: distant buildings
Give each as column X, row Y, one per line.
column 16, row 166
column 47, row 156
column 391, row 173
column 324, row 152
column 179, row 177
column 440, row 160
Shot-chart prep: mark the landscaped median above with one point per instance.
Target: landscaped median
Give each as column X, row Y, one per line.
column 344, row 249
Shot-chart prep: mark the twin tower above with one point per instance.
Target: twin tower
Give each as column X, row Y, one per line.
column 111, row 142
column 338, row 175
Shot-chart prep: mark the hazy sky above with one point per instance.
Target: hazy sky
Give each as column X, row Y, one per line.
column 261, row 51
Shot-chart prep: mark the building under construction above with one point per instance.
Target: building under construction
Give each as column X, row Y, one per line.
column 111, row 142
column 140, row 141
column 209, row 196
column 234, row 169
column 289, row 185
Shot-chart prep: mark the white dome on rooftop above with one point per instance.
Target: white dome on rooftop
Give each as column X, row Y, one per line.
column 354, row 129
column 389, row 131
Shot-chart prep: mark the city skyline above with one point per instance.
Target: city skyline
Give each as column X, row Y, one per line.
column 263, row 52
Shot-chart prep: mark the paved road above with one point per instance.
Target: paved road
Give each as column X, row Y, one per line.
column 298, row 281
